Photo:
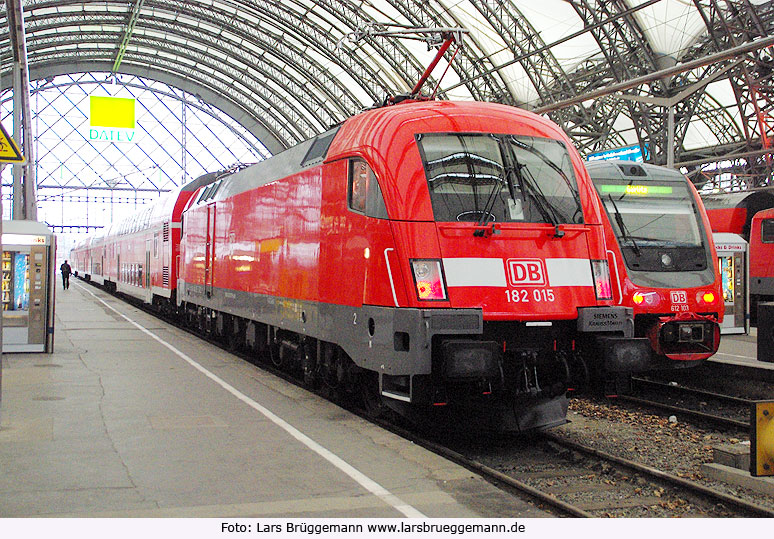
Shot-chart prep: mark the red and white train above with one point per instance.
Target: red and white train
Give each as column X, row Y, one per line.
column 434, row 255
column 663, row 258
column 139, row 256
column 749, row 214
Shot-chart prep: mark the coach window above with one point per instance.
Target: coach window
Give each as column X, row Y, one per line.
column 767, row 230
column 364, row 194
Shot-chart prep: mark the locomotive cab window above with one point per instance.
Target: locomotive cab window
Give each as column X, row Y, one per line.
column 499, row 178
column 767, row 230
column 656, row 221
column 363, row 192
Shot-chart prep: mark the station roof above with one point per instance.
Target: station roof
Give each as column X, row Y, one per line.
column 289, row 69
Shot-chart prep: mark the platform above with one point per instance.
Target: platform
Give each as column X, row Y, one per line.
column 131, row 417
column 741, row 350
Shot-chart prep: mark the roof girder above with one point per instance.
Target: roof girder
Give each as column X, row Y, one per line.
column 293, row 27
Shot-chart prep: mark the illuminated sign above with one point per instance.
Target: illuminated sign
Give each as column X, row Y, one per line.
column 112, row 119
column 629, row 153
column 23, row 239
column 635, row 189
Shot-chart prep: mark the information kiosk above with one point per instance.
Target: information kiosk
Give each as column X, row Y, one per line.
column 733, row 264
column 28, row 280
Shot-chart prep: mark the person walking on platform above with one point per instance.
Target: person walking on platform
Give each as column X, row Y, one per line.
column 66, row 271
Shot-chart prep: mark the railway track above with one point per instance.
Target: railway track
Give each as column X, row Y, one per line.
column 718, row 409
column 576, row 480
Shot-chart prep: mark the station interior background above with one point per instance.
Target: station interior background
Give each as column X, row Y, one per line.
column 222, row 83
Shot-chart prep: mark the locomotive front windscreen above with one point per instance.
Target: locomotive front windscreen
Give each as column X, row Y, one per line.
column 653, row 218
column 499, row 178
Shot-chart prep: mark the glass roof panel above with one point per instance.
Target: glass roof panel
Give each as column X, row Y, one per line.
column 671, row 26
column 86, row 173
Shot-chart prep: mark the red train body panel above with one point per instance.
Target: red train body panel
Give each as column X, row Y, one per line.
column 762, row 254
column 733, row 212
column 747, row 213
column 663, row 253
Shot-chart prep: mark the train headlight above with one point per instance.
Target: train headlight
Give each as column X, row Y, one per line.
column 428, row 278
column 602, row 285
column 705, row 297
column 648, row 298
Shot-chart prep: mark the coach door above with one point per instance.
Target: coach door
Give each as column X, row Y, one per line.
column 147, row 264
column 209, row 255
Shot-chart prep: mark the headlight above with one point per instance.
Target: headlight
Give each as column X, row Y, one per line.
column 428, row 278
column 647, row 298
column 706, row 297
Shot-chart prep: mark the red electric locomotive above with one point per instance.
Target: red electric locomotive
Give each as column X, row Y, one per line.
column 661, row 248
column 433, row 253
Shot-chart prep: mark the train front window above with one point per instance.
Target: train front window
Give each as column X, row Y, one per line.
column 656, row 223
column 499, row 178
column 651, row 213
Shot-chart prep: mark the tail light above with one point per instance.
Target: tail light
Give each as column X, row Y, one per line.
column 602, row 285
column 428, row 278
column 705, row 297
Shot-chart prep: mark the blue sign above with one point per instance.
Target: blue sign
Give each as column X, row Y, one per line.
column 629, row 153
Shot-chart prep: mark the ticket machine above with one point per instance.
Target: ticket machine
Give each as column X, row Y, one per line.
column 733, row 263
column 28, row 279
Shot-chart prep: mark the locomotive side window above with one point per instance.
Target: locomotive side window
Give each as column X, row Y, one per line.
column 767, row 231
column 499, row 178
column 363, row 192
column 358, row 183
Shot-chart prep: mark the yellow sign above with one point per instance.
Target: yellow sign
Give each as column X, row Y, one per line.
column 762, row 439
column 9, row 151
column 112, row 112
column 111, row 119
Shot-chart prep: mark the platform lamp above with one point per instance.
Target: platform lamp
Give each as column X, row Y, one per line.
column 762, row 438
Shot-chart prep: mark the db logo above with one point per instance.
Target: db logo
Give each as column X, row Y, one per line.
column 526, row 272
column 679, row 296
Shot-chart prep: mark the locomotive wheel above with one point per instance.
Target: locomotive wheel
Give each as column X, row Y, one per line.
column 372, row 399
